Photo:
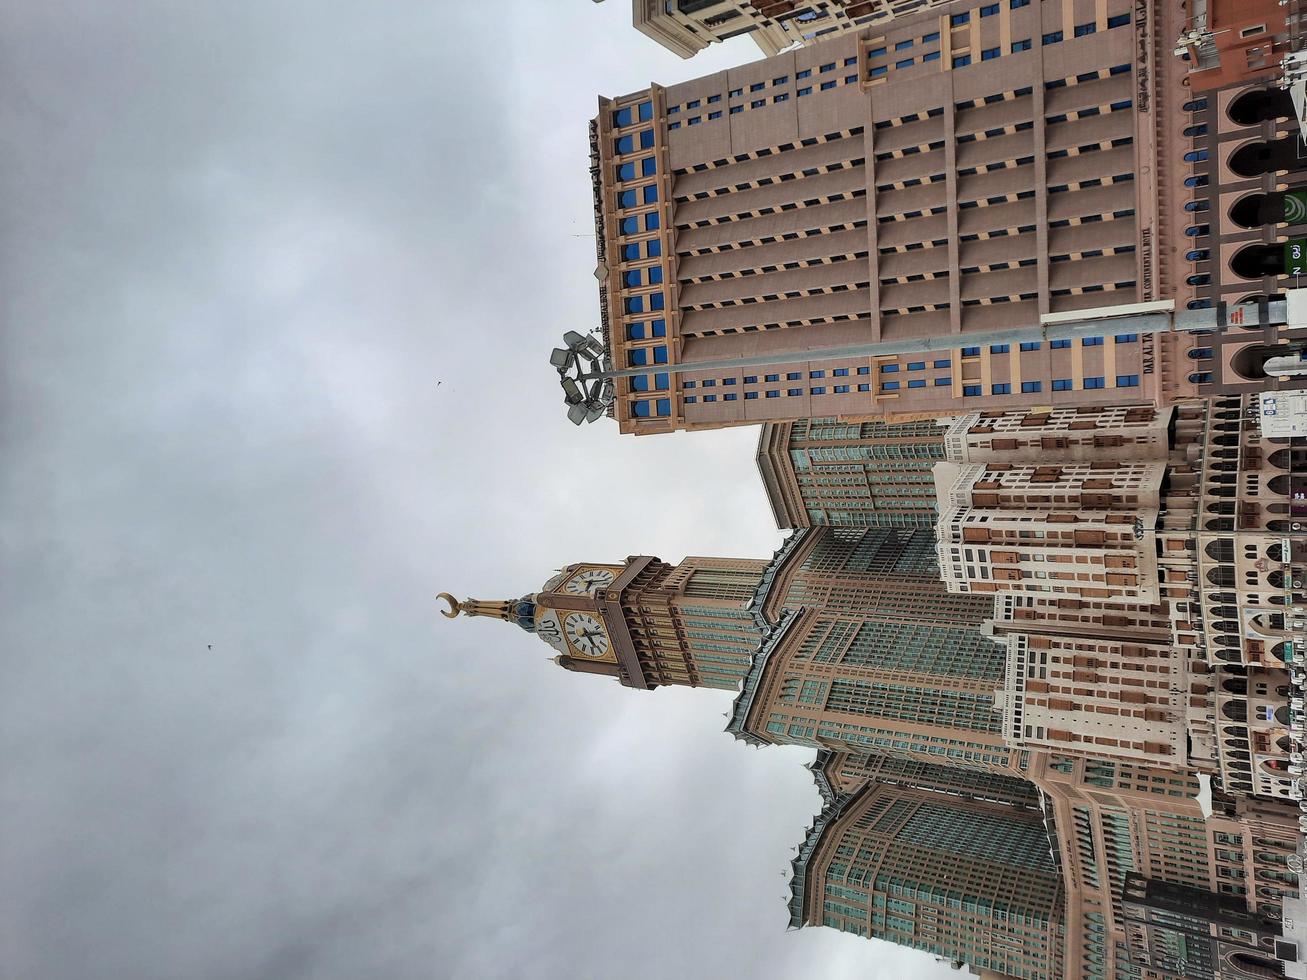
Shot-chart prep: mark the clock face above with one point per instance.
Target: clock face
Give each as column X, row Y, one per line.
column 586, row 634
column 590, row 581
column 549, row 629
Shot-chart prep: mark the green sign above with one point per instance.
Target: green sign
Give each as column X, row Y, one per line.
column 1295, row 256
column 1295, row 207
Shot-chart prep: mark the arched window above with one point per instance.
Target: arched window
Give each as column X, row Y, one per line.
column 1260, row 104
column 1196, row 180
column 1199, row 205
column 1197, row 255
column 1197, row 231
column 1255, row 261
column 1195, row 156
column 1195, row 105
column 1197, row 130
column 1199, row 304
column 1201, row 377
column 1198, row 279
column 1201, row 353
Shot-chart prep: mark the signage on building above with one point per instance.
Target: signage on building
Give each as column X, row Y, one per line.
column 1283, row 414
column 1295, row 207
column 1295, row 256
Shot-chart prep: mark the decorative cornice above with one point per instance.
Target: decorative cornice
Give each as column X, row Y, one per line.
column 769, row 574
column 772, row 637
column 822, row 822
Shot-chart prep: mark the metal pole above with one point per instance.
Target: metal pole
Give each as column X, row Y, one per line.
column 1178, row 321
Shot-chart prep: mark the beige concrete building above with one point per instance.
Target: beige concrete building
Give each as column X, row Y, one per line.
column 686, row 27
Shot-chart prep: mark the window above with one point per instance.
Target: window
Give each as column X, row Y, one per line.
column 905, row 63
column 930, row 38
column 806, row 90
column 692, row 104
column 728, row 381
column 626, row 199
column 841, row 389
column 1094, row 382
column 661, row 382
column 783, row 80
column 864, row 387
column 819, row 390
column 1061, row 384
column 1127, row 381
column 782, row 97
column 794, row 392
column 731, row 397
column 736, row 91
column 1030, row 387
column 828, row 85
column 757, row 86
column 889, row 386
column 998, row 348
column 916, row 365
column 1053, row 37
column 648, row 167
column 640, row 382
column 646, row 139
column 635, row 331
column 630, row 226
column 903, row 45
column 827, row 67
column 874, row 73
column 709, row 398
column 1059, row 344
column 715, row 115
column 645, row 111
column 989, row 10
column 957, row 20
column 655, row 301
column 1082, row 30
column 635, row 277
column 691, row 399
column 750, row 379
column 793, row 375
column 930, row 56
column 651, row 221
column 961, row 61
column 664, row 406
column 888, row 368
column 1030, row 345
column 714, row 98
column 943, row 363
column 673, row 110
column 674, row 125
column 622, row 117
column 841, row 372
column 773, row 394
column 773, row 377
column 988, row 54
column 658, row 328
column 917, row 383
column 640, row 409
column 655, row 275
column 1002, row 388
column 1022, row 45
column 970, row 351
column 805, row 73
column 971, row 390
column 816, row 374
column 1092, row 341
column 941, row 382
column 651, row 194
column 626, row 171
column 757, row 103
column 864, row 370
column 693, row 121
column 1127, row 338
column 1120, row 20
column 748, row 395
column 736, row 108
column 634, row 304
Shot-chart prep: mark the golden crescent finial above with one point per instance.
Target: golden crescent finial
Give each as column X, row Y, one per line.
column 452, row 611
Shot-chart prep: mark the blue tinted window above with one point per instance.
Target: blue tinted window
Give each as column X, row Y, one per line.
column 864, row 370
column 829, row 67
column 794, row 392
column 634, row 304
column 1127, row 381
column 998, row 348
column 942, row 363
column 841, row 372
column 841, row 389
column 903, row 45
column 1084, row 29
column 1030, row 345
column 638, row 357
column 655, row 301
column 1126, row 338
column 693, row 121
column 941, row 382
column 773, row 377
column 1201, row 377
column 816, row 374
column 731, row 397
column 875, row 72
column 928, row 38
column 622, row 117
column 1002, row 389
column 988, row 54
column 962, row 61
column 660, row 355
column 1061, row 384
column 661, row 382
column 757, row 103
column 625, row 171
column 692, row 104
column 646, row 111
column 971, row 390
column 640, row 409
column 710, row 398
column 635, row 331
column 1014, row 4
column 888, row 368
column 750, row 379
column 1092, row 341
column 674, row 125
column 691, row 399
column 653, row 248
column 989, row 10
column 806, row 90
column 819, row 390
column 905, row 63
column 1022, row 45
column 957, row 20
column 1094, row 382
column 736, row 91
column 659, row 328
column 710, row 383
column 1059, row 344
column 750, row 394
column 687, row 384
column 632, row 278
column 651, row 194
column 651, row 221
column 625, row 199
column 1120, row 20
column 1053, row 37
column 664, row 406
column 630, row 252
column 930, row 56
column 773, row 394
column 793, row 375
column 876, row 53
column 970, row 351
column 648, row 167
column 916, row 365
column 714, row 98
column 728, row 381
column 646, row 139
column 917, row 383
column 805, row 73
column 889, row 386
column 1029, row 387
column 655, row 275
column 630, row 226
column 640, row 382
column 623, row 144
column 715, row 115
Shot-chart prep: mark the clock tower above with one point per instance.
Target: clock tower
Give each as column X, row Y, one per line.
column 644, row 622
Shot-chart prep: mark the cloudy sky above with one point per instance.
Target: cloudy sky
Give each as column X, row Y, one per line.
column 278, row 282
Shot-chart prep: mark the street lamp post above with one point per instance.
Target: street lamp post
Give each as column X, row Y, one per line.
column 588, row 387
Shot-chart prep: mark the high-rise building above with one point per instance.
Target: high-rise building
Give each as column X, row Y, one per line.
column 950, row 174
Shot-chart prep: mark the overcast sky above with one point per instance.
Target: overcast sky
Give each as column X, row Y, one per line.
column 240, row 245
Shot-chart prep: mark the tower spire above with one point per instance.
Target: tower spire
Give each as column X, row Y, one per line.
column 520, row 611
